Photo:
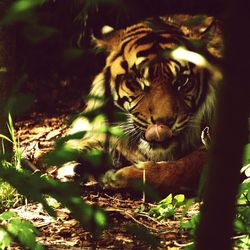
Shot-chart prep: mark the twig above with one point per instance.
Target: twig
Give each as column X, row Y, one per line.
column 30, row 165
column 124, row 212
column 139, row 222
column 183, row 245
column 144, row 182
column 153, row 219
column 238, row 237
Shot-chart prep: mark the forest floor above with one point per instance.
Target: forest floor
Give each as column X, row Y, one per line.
column 37, row 135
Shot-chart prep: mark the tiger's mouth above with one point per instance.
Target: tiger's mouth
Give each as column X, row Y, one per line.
column 156, row 136
column 160, row 145
column 158, row 133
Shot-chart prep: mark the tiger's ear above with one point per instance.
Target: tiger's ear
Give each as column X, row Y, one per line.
column 109, row 40
column 213, row 38
column 207, row 29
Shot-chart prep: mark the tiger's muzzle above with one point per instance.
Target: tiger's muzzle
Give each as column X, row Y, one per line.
column 158, row 133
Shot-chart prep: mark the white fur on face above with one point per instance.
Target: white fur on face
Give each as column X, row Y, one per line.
column 156, row 154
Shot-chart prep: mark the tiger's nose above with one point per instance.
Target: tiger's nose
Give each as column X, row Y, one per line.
column 169, row 122
column 158, row 133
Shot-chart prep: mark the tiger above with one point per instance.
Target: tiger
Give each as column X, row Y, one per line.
column 167, row 101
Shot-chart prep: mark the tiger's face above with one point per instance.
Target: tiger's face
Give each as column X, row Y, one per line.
column 160, row 98
column 161, row 95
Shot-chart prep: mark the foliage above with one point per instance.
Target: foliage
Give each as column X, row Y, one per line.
column 9, row 197
column 13, row 228
column 167, row 207
column 191, row 225
column 93, row 160
column 21, row 10
column 36, row 186
column 243, row 242
column 246, row 157
column 241, row 222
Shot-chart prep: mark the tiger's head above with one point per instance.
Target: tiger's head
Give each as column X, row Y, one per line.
column 166, row 100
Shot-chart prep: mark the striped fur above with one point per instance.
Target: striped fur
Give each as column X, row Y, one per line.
column 151, row 86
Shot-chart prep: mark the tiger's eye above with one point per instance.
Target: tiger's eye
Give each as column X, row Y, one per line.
column 132, row 85
column 183, row 83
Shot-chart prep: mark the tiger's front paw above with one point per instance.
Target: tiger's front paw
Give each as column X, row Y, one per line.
column 122, row 178
column 111, row 180
column 175, row 176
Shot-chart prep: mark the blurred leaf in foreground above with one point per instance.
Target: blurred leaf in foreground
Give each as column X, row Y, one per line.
column 35, row 186
column 19, row 103
column 13, row 228
column 21, row 10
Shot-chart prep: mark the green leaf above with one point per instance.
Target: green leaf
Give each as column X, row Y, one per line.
column 13, row 226
column 100, row 218
column 248, row 195
column 179, row 198
column 21, row 10
column 27, row 238
column 62, row 154
column 53, row 202
column 7, row 215
column 24, row 5
column 5, row 239
column 168, row 212
column 191, row 225
column 246, row 155
column 6, row 138
column 27, row 235
column 244, row 193
column 35, row 186
column 75, row 136
column 140, row 209
column 243, row 242
column 168, row 200
column 20, row 103
column 30, row 227
column 154, row 211
column 94, row 157
column 93, row 113
column 188, row 204
column 39, row 247
column 244, row 187
column 239, row 225
column 116, row 131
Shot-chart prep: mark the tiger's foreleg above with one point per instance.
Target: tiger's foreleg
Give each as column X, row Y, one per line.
column 165, row 177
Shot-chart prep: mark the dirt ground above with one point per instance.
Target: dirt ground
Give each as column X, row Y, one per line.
column 37, row 135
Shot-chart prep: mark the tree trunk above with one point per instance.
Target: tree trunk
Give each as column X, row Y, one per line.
column 7, row 77
column 231, row 130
